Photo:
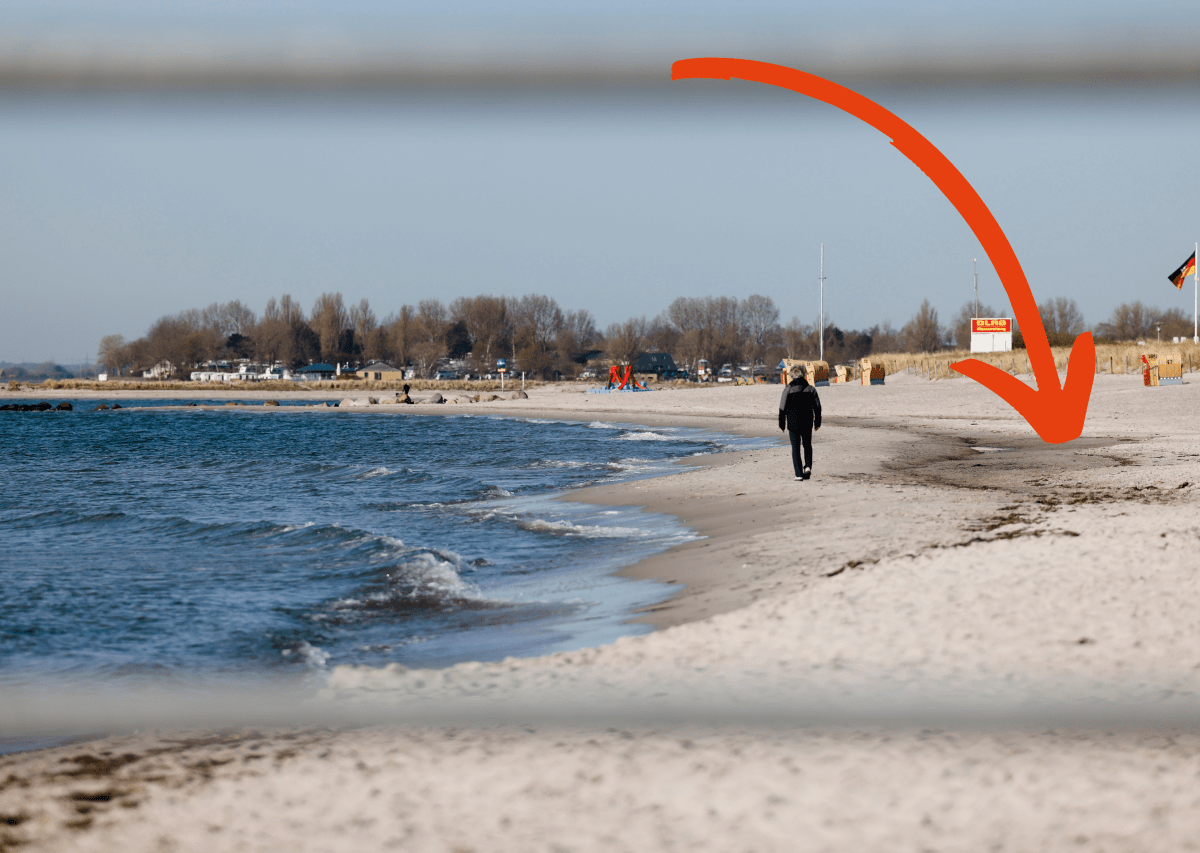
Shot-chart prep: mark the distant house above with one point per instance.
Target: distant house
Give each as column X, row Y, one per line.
column 654, row 362
column 379, row 371
column 160, row 371
column 316, row 372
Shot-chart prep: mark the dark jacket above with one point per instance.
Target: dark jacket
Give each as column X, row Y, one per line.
column 799, row 407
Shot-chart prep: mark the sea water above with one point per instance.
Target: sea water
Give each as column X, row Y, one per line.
column 173, row 544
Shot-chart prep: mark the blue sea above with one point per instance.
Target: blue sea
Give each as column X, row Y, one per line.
column 159, row 544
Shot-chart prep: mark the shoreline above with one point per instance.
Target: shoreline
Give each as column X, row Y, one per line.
column 727, row 530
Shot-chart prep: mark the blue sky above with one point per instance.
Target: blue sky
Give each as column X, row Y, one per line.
column 118, row 208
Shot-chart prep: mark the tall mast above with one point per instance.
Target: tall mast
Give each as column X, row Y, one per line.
column 975, row 261
column 821, row 322
column 1196, row 299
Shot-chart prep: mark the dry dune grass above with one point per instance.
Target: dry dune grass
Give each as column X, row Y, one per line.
column 1119, row 358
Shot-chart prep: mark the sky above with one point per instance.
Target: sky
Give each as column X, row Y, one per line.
column 119, row 207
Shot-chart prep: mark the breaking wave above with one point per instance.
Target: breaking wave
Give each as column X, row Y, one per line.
column 570, row 528
column 646, row 435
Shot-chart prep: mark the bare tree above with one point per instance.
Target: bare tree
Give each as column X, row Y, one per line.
column 429, row 326
column 885, row 338
column 362, row 320
column 232, row 318
column 760, row 318
column 536, row 321
column 1132, row 321
column 488, row 322
column 287, row 310
column 1175, row 323
column 709, row 327
column 283, row 335
column 662, row 336
column 237, row 319
column 799, row 339
column 922, row 333
column 686, row 316
column 329, row 320
column 112, row 354
column 1061, row 317
column 138, row 355
column 624, row 340
column 1129, row 322
column 397, row 336
column 575, row 337
column 722, row 323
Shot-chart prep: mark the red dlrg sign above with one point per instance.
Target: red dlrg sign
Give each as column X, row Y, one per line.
column 980, row 325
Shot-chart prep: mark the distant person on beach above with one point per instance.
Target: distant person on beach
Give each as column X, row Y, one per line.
column 800, row 413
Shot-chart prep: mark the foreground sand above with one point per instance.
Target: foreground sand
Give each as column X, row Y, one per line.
column 952, row 590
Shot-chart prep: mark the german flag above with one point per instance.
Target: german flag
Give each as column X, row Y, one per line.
column 1188, row 268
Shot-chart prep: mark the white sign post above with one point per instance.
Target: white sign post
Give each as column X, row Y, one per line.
column 991, row 334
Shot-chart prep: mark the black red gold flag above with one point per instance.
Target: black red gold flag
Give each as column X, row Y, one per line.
column 1188, row 268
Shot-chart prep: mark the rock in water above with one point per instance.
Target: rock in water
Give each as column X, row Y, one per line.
column 103, row 407
column 64, row 406
column 271, row 403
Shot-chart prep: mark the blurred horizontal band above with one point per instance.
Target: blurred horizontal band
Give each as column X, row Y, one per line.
column 182, row 64
column 58, row 711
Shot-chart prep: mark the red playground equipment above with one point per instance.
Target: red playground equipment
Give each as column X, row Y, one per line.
column 628, row 383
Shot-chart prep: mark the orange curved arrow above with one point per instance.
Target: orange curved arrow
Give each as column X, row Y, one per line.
column 1056, row 412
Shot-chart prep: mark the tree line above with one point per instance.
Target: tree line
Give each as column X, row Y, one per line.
column 544, row 340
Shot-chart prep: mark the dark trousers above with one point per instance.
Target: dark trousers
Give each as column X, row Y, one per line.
column 799, row 437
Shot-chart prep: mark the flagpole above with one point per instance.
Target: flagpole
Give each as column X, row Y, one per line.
column 821, row 321
column 1196, row 299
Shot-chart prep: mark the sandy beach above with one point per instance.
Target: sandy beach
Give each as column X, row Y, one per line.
column 954, row 637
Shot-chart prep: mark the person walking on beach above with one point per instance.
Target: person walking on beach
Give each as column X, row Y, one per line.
column 800, row 413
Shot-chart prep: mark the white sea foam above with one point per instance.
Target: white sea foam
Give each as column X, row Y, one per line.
column 437, row 572
column 378, row 472
column 634, row 465
column 646, row 435
column 497, row 492
column 569, row 528
column 425, row 574
column 314, row 657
